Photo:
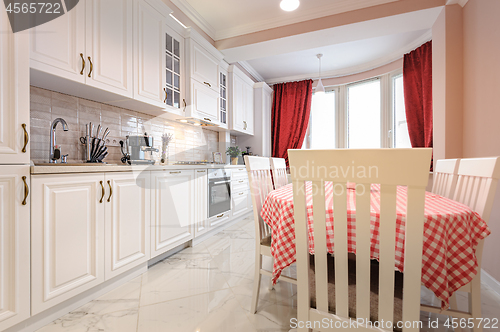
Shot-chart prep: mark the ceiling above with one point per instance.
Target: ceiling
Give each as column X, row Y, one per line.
column 347, row 49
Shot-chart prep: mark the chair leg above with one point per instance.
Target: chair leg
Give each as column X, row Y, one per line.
column 475, row 302
column 454, row 306
column 271, row 286
column 256, row 282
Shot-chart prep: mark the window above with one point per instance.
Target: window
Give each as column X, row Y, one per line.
column 401, row 136
column 364, row 115
column 321, row 131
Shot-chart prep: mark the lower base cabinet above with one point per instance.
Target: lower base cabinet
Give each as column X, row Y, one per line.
column 85, row 229
column 14, row 245
column 67, row 237
column 240, row 203
column 127, row 230
column 172, row 207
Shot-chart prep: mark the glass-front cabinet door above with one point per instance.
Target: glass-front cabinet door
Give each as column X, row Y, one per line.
column 223, row 98
column 174, row 71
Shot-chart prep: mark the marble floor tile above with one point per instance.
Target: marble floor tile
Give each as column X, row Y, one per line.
column 208, row 288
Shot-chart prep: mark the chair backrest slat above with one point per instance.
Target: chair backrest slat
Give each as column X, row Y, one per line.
column 391, row 167
column 363, row 196
column 320, row 260
column 280, row 177
column 445, row 177
column 477, row 183
column 341, row 262
column 387, row 251
column 259, row 177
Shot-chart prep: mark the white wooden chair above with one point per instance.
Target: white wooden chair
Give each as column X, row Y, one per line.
column 409, row 167
column 476, row 187
column 280, row 178
column 259, row 177
column 445, row 177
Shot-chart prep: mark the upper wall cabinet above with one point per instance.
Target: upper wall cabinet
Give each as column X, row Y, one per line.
column 202, row 101
column 14, row 92
column 223, row 94
column 241, row 102
column 92, row 44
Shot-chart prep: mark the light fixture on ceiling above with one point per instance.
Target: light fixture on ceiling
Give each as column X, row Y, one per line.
column 319, row 87
column 289, row 5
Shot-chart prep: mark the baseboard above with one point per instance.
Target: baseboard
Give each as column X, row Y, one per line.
column 491, row 282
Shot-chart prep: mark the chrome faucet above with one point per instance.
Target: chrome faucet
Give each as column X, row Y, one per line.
column 53, row 137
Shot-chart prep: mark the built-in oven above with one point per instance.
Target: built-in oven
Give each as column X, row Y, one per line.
column 219, row 191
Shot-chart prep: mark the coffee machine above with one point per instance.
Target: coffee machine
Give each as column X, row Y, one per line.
column 138, row 150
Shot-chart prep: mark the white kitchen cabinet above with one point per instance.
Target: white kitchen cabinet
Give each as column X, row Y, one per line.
column 127, row 221
column 241, row 103
column 240, row 197
column 92, row 44
column 172, row 209
column 109, row 45
column 240, row 203
column 14, row 245
column 260, row 142
column 205, row 102
column 201, row 202
column 204, row 67
column 223, row 95
column 67, row 237
column 58, row 46
column 14, row 95
column 219, row 219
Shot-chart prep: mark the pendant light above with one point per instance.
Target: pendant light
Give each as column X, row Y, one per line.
column 289, row 5
column 320, row 89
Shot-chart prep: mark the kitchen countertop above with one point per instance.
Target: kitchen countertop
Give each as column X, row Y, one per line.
column 61, row 169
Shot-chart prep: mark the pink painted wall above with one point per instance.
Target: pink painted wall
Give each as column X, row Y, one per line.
column 481, row 136
column 447, row 83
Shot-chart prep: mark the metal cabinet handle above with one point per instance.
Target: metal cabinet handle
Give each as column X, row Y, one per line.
column 26, row 191
column 166, row 95
column 207, row 119
column 83, row 63
column 26, row 138
column 202, row 171
column 175, row 172
column 242, row 181
column 91, row 67
column 110, row 191
column 222, row 215
column 245, row 127
column 102, row 195
column 210, row 85
column 241, row 193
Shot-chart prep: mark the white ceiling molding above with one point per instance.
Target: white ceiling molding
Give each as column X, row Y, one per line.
column 456, row 2
column 357, row 69
column 251, row 71
column 336, row 7
column 194, row 16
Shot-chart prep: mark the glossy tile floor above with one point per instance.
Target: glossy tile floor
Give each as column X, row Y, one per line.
column 208, row 289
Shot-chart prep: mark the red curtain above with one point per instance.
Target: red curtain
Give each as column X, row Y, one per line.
column 417, row 81
column 290, row 116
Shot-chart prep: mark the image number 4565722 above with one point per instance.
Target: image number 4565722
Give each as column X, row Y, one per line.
column 27, row 14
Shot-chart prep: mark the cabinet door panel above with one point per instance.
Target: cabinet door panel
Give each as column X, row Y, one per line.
column 127, row 222
column 205, row 102
column 205, row 69
column 172, row 207
column 67, row 244
column 240, row 203
column 248, row 109
column 56, row 45
column 14, row 247
column 109, row 44
column 14, row 94
column 149, row 48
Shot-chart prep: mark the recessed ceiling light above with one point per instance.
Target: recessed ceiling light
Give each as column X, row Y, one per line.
column 289, row 5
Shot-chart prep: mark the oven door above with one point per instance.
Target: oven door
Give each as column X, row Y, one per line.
column 219, row 196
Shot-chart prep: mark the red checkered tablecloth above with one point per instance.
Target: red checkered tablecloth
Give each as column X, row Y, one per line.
column 452, row 232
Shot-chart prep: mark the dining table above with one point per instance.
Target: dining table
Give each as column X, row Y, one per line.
column 452, row 232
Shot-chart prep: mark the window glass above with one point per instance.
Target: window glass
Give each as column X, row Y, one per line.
column 322, row 123
column 401, row 137
column 364, row 115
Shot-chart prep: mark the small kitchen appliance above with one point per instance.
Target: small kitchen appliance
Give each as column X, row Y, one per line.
column 138, row 150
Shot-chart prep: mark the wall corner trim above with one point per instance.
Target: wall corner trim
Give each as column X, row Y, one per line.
column 251, row 71
column 457, row 2
column 194, row 16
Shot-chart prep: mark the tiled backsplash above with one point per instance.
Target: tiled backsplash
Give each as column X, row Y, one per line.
column 189, row 143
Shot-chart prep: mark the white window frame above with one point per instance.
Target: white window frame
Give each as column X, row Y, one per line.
column 387, row 139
